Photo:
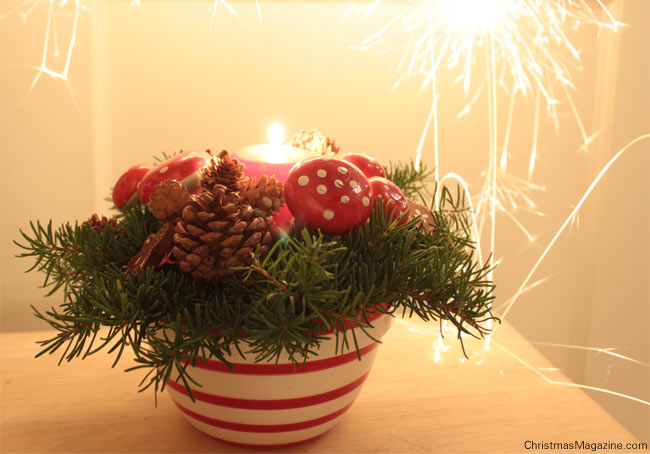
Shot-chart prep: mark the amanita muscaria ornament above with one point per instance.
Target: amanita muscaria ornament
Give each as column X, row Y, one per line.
column 425, row 214
column 367, row 164
column 184, row 168
column 328, row 193
column 125, row 190
column 387, row 193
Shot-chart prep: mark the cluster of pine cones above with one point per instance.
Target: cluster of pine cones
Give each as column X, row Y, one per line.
column 221, row 227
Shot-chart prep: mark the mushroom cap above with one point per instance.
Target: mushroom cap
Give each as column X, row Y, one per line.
column 417, row 209
column 394, row 201
column 328, row 193
column 126, row 188
column 367, row 164
column 184, row 168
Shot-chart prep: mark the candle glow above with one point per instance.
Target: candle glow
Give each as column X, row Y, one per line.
column 272, row 159
column 276, row 153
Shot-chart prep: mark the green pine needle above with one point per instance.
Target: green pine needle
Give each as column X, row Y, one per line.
column 307, row 282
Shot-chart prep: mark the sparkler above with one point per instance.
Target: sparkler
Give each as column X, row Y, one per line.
column 539, row 372
column 511, row 47
column 70, row 11
column 515, row 48
column 52, row 49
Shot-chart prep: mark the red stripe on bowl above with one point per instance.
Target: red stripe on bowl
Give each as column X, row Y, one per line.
column 263, row 428
column 284, row 368
column 371, row 316
column 270, row 404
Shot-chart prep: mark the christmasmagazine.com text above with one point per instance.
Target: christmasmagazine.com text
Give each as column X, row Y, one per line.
column 584, row 445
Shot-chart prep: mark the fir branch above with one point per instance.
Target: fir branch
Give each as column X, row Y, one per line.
column 413, row 182
column 307, row 283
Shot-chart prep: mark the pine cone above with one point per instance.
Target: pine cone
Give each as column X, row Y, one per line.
column 265, row 195
column 314, row 141
column 218, row 231
column 98, row 224
column 224, row 170
column 168, row 200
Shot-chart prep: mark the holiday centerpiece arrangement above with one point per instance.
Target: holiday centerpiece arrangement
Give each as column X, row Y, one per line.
column 262, row 328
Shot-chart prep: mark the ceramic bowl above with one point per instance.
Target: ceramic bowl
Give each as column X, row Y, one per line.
column 279, row 405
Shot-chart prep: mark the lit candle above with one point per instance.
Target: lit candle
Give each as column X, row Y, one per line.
column 273, row 158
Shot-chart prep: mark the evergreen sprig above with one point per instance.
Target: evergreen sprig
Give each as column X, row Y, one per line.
column 307, row 283
column 412, row 180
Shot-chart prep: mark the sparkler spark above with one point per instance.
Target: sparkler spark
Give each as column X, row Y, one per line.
column 54, row 9
column 499, row 47
column 569, row 219
column 539, row 372
column 60, row 10
column 606, row 351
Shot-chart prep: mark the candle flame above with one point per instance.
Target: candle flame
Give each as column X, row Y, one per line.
column 276, row 134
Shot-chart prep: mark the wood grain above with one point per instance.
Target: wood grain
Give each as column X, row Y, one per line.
column 409, row 404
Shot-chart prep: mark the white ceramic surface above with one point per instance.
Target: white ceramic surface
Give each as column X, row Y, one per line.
column 268, row 405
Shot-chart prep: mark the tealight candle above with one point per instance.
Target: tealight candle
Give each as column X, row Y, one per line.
column 273, row 158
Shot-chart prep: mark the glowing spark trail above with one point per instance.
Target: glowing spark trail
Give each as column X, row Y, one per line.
column 525, row 49
column 51, row 37
column 606, row 351
column 232, row 11
column 496, row 48
column 49, row 34
column 568, row 220
column 571, row 384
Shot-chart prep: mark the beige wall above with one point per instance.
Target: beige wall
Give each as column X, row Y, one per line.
column 46, row 153
column 156, row 78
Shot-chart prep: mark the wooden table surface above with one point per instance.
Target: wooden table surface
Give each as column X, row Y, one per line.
column 409, row 404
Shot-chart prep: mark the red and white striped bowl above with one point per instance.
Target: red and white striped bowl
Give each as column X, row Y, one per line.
column 270, row 406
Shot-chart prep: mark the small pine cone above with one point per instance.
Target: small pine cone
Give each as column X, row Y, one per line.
column 314, row 141
column 217, row 231
column 237, row 250
column 265, row 195
column 224, row 170
column 168, row 200
column 98, row 224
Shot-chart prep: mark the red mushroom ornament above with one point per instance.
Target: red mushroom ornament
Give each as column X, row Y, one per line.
column 125, row 191
column 367, row 164
column 394, row 201
column 328, row 193
column 184, row 168
column 425, row 214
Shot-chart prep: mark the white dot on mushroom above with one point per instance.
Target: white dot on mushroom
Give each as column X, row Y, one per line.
column 338, row 183
column 303, row 180
column 343, row 170
column 322, row 173
column 345, row 199
column 321, row 189
column 365, row 201
column 328, row 214
column 164, row 169
column 353, row 184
